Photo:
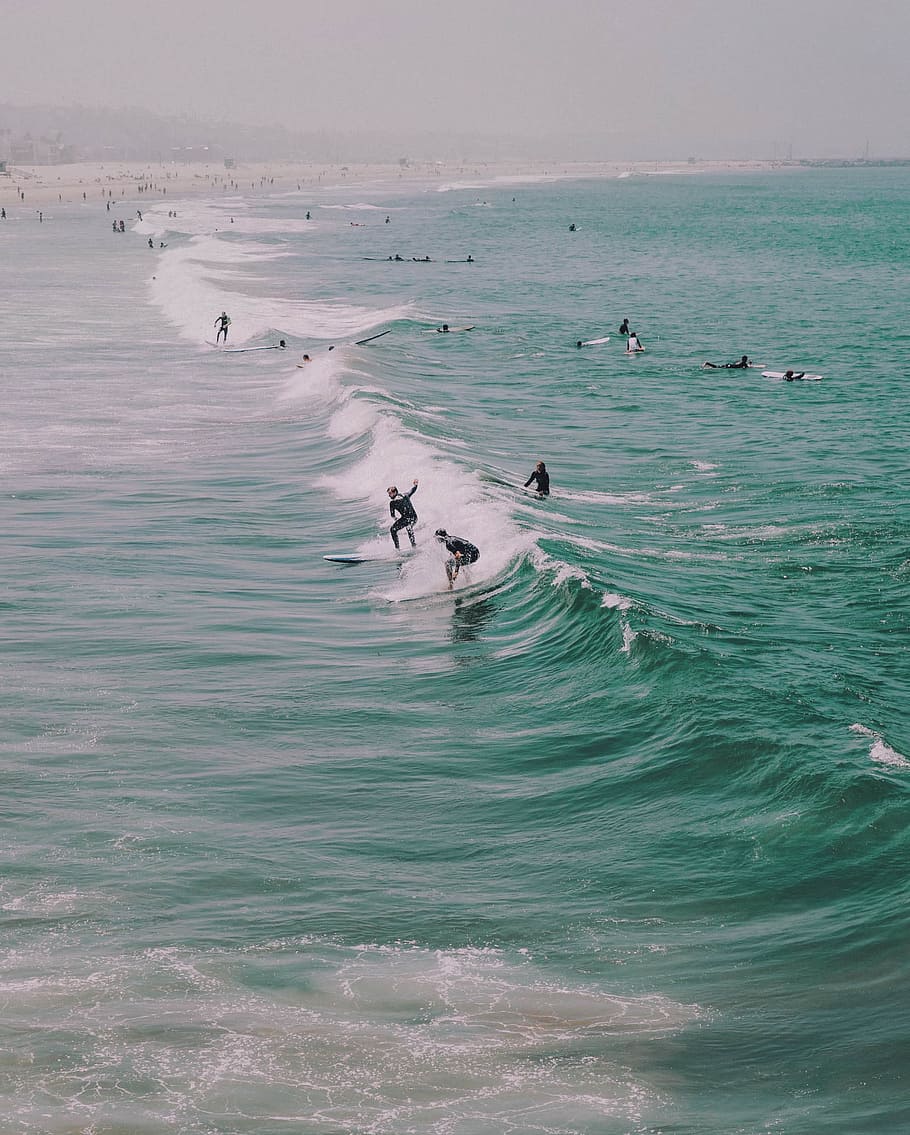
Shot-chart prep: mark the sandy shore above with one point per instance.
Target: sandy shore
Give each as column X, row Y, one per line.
column 96, row 181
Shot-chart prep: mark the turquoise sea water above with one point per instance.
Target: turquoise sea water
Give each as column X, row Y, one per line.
column 609, row 839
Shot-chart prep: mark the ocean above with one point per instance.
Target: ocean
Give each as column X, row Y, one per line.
column 610, row 838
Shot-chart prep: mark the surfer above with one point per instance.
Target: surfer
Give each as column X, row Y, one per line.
column 624, row 327
column 791, row 376
column 223, row 322
column 542, row 477
column 444, row 328
column 462, row 551
column 744, row 363
column 634, row 344
column 407, row 517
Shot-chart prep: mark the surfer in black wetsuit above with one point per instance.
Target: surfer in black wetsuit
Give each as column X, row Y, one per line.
column 624, row 327
column 744, row 363
column 223, row 322
column 542, row 477
column 791, row 376
column 463, row 552
column 407, row 517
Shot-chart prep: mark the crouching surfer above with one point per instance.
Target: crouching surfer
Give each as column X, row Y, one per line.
column 462, row 552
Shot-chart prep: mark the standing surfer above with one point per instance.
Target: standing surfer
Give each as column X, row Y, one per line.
column 407, row 517
column 223, row 322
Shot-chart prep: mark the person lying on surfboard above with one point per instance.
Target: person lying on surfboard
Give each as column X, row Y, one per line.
column 743, row 364
column 634, row 344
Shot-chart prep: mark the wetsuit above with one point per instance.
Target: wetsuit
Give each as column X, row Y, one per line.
column 463, row 552
column 407, row 517
column 222, row 323
column 624, row 327
column 542, row 477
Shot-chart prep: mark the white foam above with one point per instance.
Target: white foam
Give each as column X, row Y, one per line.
column 196, row 281
column 879, row 751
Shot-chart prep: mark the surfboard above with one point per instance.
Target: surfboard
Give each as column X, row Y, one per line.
column 362, row 342
column 595, row 342
column 246, row 350
column 796, row 378
column 354, row 558
column 439, row 330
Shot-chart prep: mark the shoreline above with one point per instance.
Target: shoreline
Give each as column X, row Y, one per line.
column 102, row 181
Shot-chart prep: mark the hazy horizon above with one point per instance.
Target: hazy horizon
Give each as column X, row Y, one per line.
column 664, row 79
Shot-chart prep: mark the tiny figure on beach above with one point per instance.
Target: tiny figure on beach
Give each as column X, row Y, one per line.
column 223, row 322
column 542, row 479
column 407, row 517
column 151, row 243
column 462, row 552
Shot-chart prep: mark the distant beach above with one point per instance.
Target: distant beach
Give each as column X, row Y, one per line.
column 46, row 184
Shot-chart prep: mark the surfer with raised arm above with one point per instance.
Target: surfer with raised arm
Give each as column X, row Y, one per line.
column 541, row 477
column 462, row 552
column 407, row 517
column 223, row 322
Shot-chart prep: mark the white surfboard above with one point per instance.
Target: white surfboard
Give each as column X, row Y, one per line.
column 451, row 330
column 797, row 376
column 594, row 342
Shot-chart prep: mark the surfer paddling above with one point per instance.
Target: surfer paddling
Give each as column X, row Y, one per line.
column 463, row 552
column 744, row 363
column 407, row 517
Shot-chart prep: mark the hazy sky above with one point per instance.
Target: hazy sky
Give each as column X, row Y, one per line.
column 679, row 76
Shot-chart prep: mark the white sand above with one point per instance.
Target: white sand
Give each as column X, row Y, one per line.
column 95, row 181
